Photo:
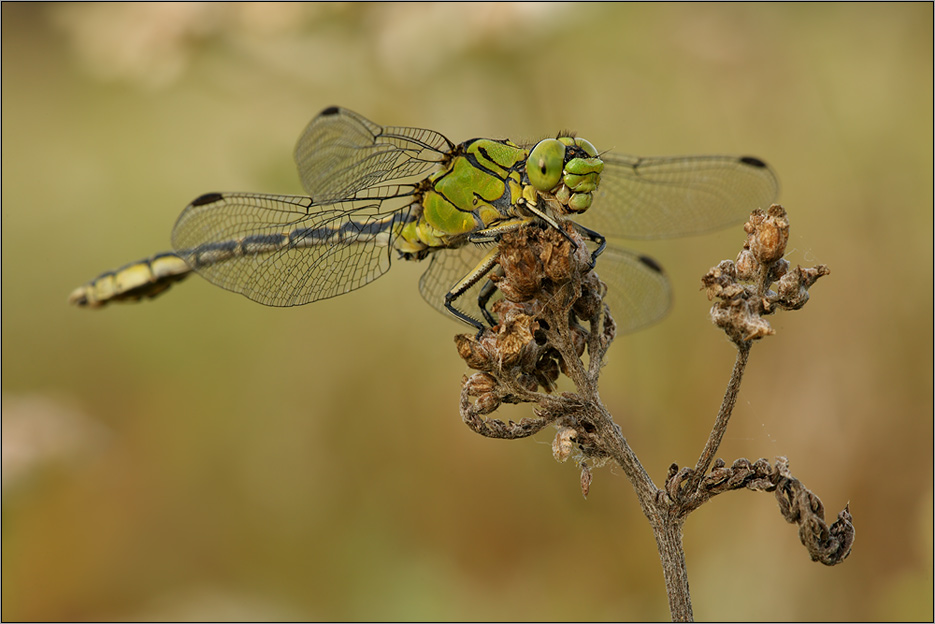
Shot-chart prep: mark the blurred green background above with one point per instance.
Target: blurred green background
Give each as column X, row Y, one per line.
column 204, row 457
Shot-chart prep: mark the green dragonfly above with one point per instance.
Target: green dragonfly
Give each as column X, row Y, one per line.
column 377, row 193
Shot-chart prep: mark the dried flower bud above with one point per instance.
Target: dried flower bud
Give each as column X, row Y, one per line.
column 740, row 319
column 746, row 265
column 474, row 353
column 480, row 383
column 585, row 479
column 793, row 287
column 508, row 310
column 486, row 403
column 810, row 276
column 792, row 293
column 522, row 269
column 556, row 261
column 563, row 444
column 721, row 281
column 514, row 335
column 778, row 269
column 768, row 234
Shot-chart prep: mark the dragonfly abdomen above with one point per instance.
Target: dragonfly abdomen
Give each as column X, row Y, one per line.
column 376, row 232
column 151, row 276
column 135, row 281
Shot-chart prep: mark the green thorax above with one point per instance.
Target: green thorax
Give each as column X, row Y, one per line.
column 485, row 181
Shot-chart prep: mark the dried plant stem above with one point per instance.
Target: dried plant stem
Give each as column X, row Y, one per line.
column 553, row 312
column 664, row 518
column 723, row 417
column 672, row 557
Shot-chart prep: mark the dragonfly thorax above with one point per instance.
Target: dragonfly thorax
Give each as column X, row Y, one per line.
column 479, row 185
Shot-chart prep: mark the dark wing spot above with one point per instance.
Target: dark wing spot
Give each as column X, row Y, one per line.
column 651, row 264
column 331, row 110
column 753, row 161
column 207, row 198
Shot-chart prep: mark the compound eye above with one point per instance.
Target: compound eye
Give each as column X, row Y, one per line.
column 545, row 164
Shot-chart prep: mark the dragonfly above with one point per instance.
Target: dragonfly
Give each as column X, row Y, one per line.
column 381, row 193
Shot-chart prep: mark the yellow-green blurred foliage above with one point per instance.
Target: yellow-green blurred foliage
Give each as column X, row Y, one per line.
column 204, row 457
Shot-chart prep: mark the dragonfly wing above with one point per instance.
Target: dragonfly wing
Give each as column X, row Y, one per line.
column 638, row 291
column 282, row 250
column 340, row 153
column 677, row 196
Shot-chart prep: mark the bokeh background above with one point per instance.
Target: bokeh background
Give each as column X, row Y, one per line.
column 203, row 457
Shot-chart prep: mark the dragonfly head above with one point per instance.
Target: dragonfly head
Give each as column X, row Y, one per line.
column 567, row 167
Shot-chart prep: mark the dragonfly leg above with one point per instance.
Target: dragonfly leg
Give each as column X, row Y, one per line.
column 594, row 237
column 493, row 233
column 477, row 273
column 487, row 291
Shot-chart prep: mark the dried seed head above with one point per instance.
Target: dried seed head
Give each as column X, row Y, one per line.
column 746, row 265
column 721, row 281
column 768, row 234
column 585, row 479
column 563, row 444
column 480, row 383
column 542, row 275
column 506, row 310
column 791, row 290
column 556, row 261
column 515, row 333
column 486, row 403
column 474, row 353
column 793, row 287
column 741, row 306
column 740, row 319
column 522, row 269
column 778, row 269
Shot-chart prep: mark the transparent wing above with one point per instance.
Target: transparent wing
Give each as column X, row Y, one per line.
column 638, row 291
column 677, row 196
column 446, row 269
column 340, row 153
column 282, row 250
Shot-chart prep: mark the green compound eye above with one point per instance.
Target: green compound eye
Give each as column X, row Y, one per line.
column 545, row 164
